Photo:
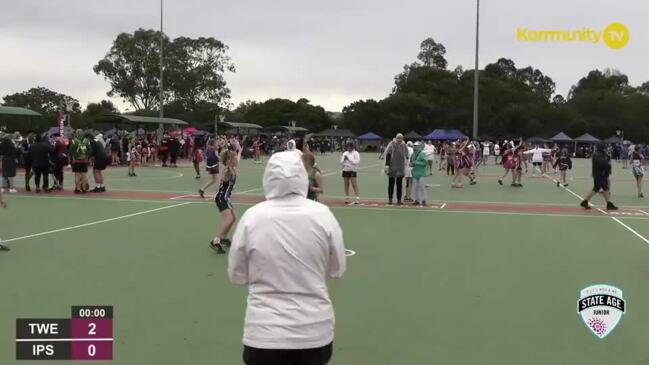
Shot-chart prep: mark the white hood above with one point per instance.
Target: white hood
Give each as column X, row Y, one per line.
column 285, row 175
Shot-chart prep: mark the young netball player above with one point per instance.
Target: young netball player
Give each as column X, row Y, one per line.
column 230, row 160
column 256, row 145
column 463, row 164
column 132, row 158
column 316, row 185
column 211, row 166
column 350, row 161
column 3, row 204
column 197, row 158
column 563, row 163
column 442, row 156
column 518, row 160
column 508, row 161
column 637, row 162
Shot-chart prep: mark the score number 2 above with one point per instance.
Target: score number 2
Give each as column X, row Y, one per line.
column 92, row 350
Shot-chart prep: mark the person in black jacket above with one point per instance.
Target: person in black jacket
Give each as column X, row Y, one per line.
column 100, row 161
column 41, row 153
column 9, row 153
column 601, row 181
column 27, row 160
column 174, row 150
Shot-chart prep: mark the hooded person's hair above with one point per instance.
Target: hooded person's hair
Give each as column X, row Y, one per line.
column 290, row 145
column 285, row 175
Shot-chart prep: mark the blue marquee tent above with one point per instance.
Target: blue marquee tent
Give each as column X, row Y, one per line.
column 370, row 137
column 444, row 135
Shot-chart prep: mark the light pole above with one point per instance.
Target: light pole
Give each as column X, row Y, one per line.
column 477, row 72
column 161, row 58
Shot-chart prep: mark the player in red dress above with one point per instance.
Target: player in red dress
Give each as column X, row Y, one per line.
column 518, row 160
column 463, row 160
column 256, row 145
column 508, row 161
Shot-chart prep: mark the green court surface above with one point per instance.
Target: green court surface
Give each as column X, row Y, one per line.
column 489, row 274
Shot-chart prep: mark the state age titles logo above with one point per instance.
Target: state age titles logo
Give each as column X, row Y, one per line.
column 601, row 308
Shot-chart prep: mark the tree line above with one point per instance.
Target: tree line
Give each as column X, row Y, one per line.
column 513, row 101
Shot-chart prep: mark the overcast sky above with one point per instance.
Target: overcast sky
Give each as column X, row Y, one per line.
column 331, row 52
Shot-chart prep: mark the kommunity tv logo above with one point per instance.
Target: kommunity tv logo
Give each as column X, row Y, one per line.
column 615, row 35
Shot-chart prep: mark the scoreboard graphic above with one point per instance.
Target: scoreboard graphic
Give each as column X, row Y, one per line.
column 88, row 335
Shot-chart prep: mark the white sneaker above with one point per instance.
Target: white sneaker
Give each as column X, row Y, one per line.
column 13, row 191
column 2, row 190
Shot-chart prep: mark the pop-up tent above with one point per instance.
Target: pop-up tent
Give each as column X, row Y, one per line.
column 586, row 138
column 412, row 135
column 369, row 141
column 370, row 137
column 561, row 138
column 444, row 135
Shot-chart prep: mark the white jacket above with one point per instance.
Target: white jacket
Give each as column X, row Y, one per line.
column 537, row 153
column 284, row 249
column 352, row 161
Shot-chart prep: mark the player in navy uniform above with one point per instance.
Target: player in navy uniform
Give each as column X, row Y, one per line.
column 564, row 163
column 230, row 159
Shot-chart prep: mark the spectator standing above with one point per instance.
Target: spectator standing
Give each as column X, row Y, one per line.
column 284, row 249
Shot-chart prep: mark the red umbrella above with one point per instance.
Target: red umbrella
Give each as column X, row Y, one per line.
column 190, row 131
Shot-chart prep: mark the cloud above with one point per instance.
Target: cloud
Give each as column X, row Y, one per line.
column 331, row 53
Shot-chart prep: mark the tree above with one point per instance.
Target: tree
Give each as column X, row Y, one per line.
column 41, row 99
column 132, row 67
column 274, row 112
column 194, row 70
column 431, row 54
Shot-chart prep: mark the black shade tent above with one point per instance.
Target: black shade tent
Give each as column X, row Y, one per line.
column 18, row 111
column 134, row 122
column 288, row 130
column 241, row 128
column 561, row 138
column 412, row 135
column 613, row 140
column 586, row 138
column 335, row 133
column 15, row 114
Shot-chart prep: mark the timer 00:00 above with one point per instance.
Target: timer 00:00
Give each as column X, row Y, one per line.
column 92, row 313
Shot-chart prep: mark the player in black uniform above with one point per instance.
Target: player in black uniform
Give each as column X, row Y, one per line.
column 230, row 159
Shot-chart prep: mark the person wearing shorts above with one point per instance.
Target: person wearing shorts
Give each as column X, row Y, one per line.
column 350, row 161
column 80, row 153
column 408, row 172
column 100, row 162
column 638, row 169
column 211, row 166
column 230, row 159
column 601, row 171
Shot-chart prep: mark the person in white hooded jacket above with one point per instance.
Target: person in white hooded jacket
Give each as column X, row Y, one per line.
column 284, row 249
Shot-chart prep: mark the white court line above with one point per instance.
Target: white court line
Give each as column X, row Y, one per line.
column 96, row 222
column 248, row 191
column 443, row 206
column 615, row 219
column 349, row 252
column 342, row 207
column 159, row 201
column 602, row 211
column 642, row 211
column 631, row 229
